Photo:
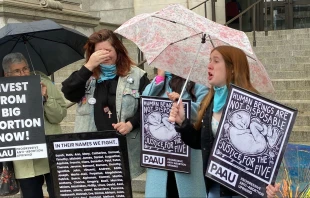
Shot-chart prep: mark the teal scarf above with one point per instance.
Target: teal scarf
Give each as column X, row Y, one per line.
column 220, row 96
column 107, row 72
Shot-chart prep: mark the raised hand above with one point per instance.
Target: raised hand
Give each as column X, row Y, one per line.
column 177, row 113
column 43, row 90
column 272, row 190
column 173, row 96
column 160, row 72
column 96, row 58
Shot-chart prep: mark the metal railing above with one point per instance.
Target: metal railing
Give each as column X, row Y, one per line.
column 205, row 7
column 253, row 7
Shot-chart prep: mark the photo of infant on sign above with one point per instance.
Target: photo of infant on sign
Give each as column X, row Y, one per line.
column 249, row 135
column 159, row 126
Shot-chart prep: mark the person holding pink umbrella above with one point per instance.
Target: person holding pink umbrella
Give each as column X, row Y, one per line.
column 163, row 183
column 227, row 65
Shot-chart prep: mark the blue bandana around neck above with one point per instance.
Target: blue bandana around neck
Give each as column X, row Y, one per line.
column 220, row 96
column 168, row 76
column 107, row 72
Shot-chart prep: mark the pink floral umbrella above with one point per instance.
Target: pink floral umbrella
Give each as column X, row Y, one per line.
column 171, row 40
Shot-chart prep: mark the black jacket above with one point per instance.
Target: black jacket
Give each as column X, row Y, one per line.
column 105, row 93
column 202, row 139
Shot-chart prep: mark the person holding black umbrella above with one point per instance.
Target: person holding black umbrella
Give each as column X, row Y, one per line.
column 107, row 89
column 32, row 173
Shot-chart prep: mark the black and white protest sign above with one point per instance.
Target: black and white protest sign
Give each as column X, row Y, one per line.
column 250, row 142
column 162, row 147
column 92, row 164
column 22, row 133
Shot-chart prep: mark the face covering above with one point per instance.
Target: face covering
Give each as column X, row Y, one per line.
column 107, row 72
column 220, row 97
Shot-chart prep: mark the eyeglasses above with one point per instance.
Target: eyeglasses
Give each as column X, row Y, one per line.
column 18, row 72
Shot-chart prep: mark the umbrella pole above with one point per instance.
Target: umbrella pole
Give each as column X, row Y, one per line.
column 30, row 58
column 203, row 40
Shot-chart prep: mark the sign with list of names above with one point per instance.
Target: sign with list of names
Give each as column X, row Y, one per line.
column 92, row 164
column 250, row 143
column 22, row 133
column 162, row 147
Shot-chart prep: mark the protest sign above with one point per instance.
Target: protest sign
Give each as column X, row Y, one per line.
column 251, row 139
column 92, row 164
column 162, row 147
column 22, row 133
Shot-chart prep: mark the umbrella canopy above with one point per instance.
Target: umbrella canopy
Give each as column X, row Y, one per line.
column 171, row 38
column 46, row 45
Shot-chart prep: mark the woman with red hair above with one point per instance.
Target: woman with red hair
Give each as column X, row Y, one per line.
column 227, row 65
column 107, row 89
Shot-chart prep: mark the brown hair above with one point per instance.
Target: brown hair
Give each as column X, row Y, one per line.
column 237, row 72
column 123, row 61
column 176, row 84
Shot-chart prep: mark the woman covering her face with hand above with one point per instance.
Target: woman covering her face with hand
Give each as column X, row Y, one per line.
column 227, row 65
column 107, row 89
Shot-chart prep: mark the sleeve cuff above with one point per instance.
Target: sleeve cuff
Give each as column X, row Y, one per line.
column 159, row 79
column 183, row 127
column 85, row 73
column 133, row 122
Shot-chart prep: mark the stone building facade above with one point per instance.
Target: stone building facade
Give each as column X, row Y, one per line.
column 87, row 16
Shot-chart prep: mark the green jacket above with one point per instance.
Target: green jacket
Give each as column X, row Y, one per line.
column 55, row 111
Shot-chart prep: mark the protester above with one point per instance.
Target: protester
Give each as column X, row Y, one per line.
column 233, row 8
column 227, row 65
column 162, row 183
column 107, row 89
column 31, row 173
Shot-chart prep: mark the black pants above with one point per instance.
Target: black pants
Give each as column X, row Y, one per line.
column 172, row 189
column 32, row 187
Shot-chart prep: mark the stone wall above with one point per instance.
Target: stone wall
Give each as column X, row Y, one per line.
column 110, row 11
column 142, row 6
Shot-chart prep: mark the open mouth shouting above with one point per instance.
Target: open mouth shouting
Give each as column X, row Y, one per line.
column 210, row 76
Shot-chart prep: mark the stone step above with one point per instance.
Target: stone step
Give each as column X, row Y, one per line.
column 291, row 84
column 297, row 94
column 280, row 48
column 301, row 105
column 287, row 42
column 300, row 134
column 262, row 37
column 283, row 54
column 287, row 74
column 303, row 119
column 285, row 66
column 262, row 55
column 280, row 32
column 286, row 60
column 138, row 183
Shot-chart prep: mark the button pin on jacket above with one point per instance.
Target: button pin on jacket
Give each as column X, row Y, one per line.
column 92, row 101
column 130, row 80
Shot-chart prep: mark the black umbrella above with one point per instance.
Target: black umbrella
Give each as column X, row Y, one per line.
column 47, row 45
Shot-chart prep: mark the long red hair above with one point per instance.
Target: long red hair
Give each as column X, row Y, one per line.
column 123, row 61
column 237, row 72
